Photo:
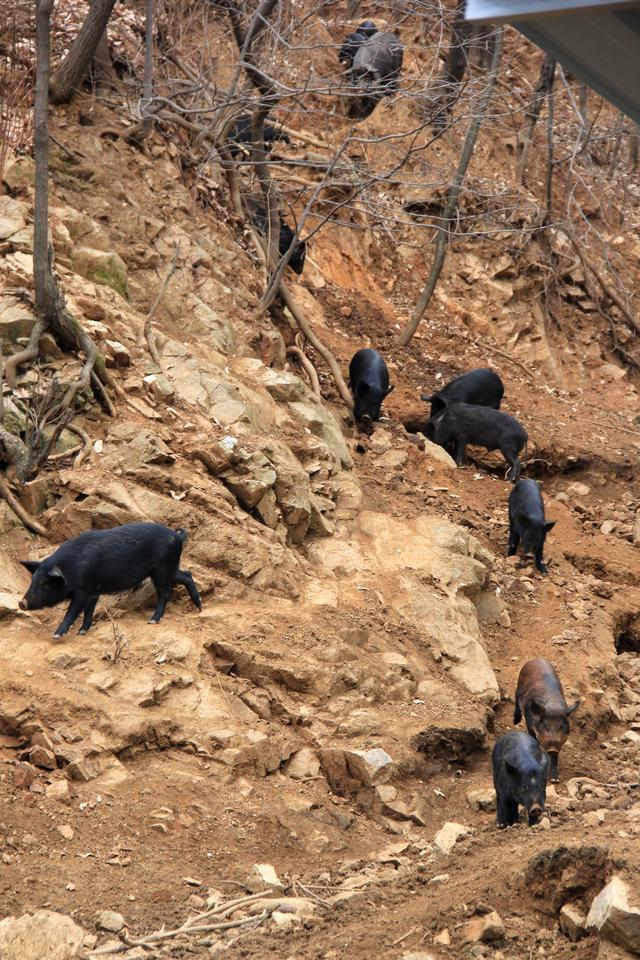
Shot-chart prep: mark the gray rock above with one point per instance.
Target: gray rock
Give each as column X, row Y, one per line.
column 110, row 920
column 613, row 918
column 572, row 922
column 448, row 835
column 370, row 767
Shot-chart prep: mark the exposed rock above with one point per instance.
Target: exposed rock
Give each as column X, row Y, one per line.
column 102, row 266
column 59, row 790
column 16, row 319
column 264, row 877
column 561, row 874
column 23, row 775
column 578, row 490
column 482, row 799
column 370, row 767
column 438, row 453
column 572, row 922
column 448, row 835
column 43, row 934
column 303, row 764
column 484, row 929
column 110, row 920
column 12, row 217
column 613, row 917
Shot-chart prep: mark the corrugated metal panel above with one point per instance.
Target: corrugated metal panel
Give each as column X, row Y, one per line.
column 602, row 47
column 507, row 11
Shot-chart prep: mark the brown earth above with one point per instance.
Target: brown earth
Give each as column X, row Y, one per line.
column 379, row 627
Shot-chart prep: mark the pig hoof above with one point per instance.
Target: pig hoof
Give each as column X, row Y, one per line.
column 554, row 780
column 155, row 622
column 81, row 632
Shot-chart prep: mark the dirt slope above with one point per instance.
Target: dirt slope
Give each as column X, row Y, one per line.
column 357, row 596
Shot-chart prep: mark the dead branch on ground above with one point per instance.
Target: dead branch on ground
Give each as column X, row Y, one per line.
column 148, row 330
column 308, row 368
column 18, row 509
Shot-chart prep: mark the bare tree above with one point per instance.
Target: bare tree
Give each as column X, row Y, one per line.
column 542, row 90
column 454, row 192
column 75, row 66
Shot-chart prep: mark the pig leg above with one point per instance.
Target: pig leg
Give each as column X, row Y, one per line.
column 76, row 607
column 87, row 620
column 514, row 542
column 507, row 811
column 540, row 564
column 553, row 767
column 514, row 463
column 459, row 447
column 517, row 713
column 184, row 577
column 162, row 583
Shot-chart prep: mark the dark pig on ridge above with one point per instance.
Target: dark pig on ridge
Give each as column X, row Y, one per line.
column 369, row 382
column 527, row 524
column 482, row 387
column 353, row 40
column 108, row 561
column 520, row 777
column 540, row 699
column 464, row 423
column 286, row 237
column 376, row 67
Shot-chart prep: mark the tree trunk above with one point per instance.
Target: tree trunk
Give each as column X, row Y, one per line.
column 454, row 192
column 75, row 66
column 44, row 281
column 545, row 82
column 102, row 71
column 453, row 68
column 147, row 90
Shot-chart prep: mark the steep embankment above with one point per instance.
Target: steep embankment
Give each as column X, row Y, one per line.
column 335, row 702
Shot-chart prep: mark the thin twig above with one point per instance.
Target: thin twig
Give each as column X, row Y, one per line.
column 308, row 368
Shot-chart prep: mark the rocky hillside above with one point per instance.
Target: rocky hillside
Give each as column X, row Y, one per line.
column 303, row 768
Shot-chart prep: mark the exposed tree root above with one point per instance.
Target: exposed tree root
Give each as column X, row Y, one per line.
column 148, row 330
column 19, row 510
column 308, row 368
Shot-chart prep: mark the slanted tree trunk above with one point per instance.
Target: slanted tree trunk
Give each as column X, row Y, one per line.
column 478, row 115
column 453, row 68
column 75, row 66
column 147, row 91
column 102, row 70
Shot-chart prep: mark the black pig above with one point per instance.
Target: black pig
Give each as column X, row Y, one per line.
column 108, row 561
column 376, row 67
column 240, row 135
column 369, row 382
column 353, row 40
column 540, row 698
column 463, row 423
column 520, row 777
column 482, row 387
column 286, row 236
column 527, row 523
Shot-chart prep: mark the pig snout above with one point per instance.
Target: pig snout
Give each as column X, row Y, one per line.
column 23, row 604
column 535, row 812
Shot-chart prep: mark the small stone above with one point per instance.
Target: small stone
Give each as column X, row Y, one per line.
column 371, row 767
column 192, row 882
column 59, row 790
column 41, row 757
column 439, row 878
column 110, row 920
column 198, row 903
column 631, row 736
column 578, row 490
column 594, row 818
column 23, row 775
column 572, row 922
column 443, row 938
column 118, row 352
column 485, row 929
column 607, row 527
column 65, row 831
column 448, row 835
column 264, row 877
column 482, row 799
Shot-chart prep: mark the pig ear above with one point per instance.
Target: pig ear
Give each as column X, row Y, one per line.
column 56, row 574
column 31, row 565
column 549, row 525
column 569, row 710
column 390, row 388
column 511, row 770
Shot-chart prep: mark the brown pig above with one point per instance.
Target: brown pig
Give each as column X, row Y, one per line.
column 540, row 698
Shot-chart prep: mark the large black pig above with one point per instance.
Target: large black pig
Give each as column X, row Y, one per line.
column 369, row 382
column 540, row 699
column 527, row 524
column 353, row 40
column 520, row 777
column 376, row 67
column 463, row 423
column 482, row 387
column 108, row 561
